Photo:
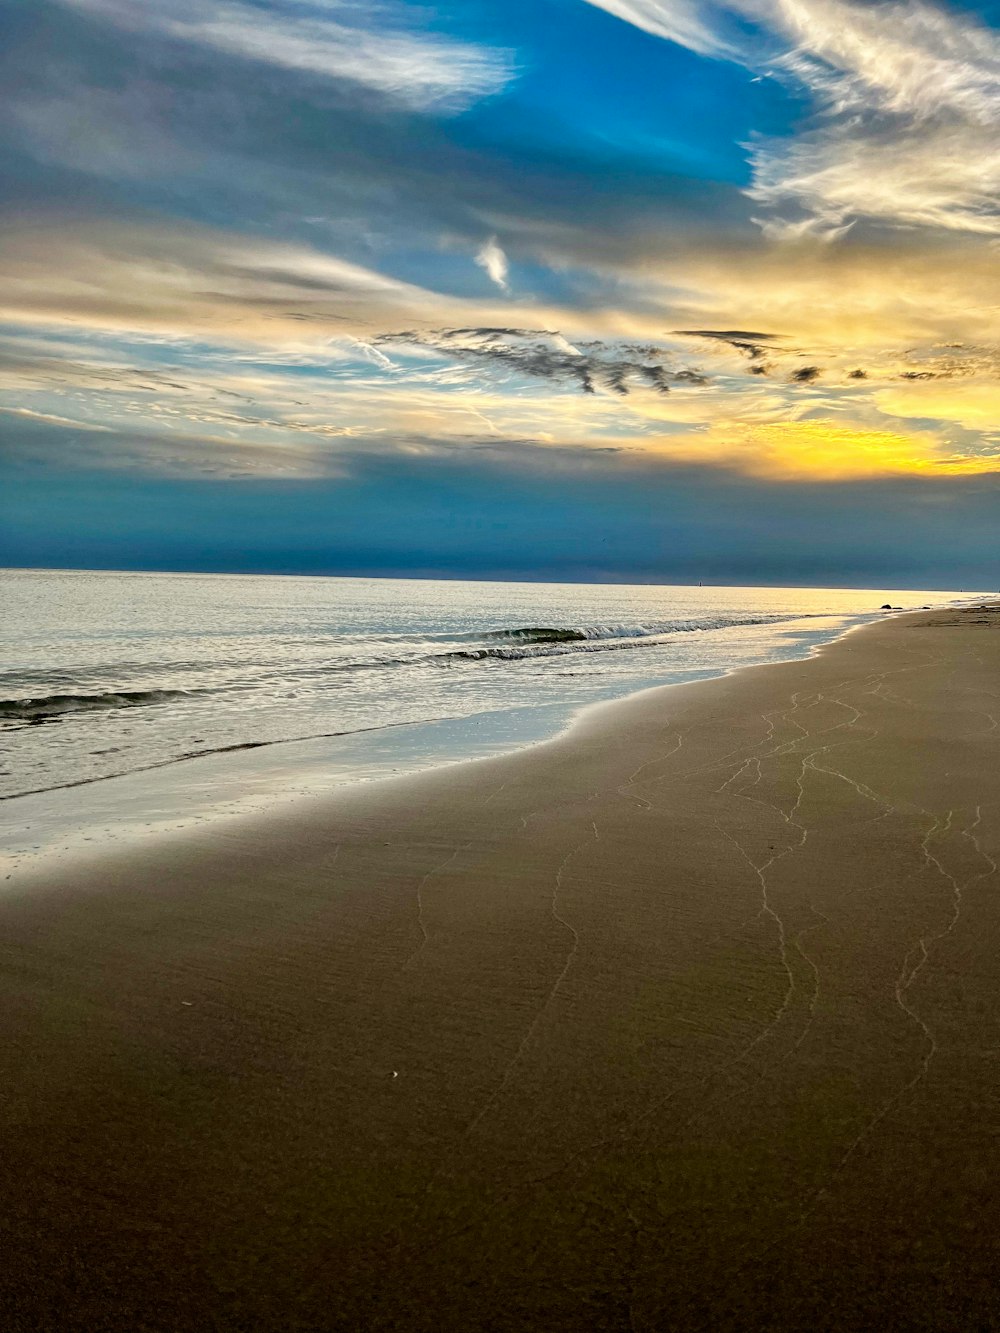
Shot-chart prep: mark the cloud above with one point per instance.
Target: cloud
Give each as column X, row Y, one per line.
column 547, row 355
column 126, row 116
column 906, row 99
column 869, row 296
column 493, row 261
column 325, row 193
column 696, row 24
column 131, row 273
column 50, row 419
column 750, row 344
column 417, row 70
column 735, row 336
column 973, row 405
column 824, row 449
column 944, row 175
column 229, row 414
column 39, row 440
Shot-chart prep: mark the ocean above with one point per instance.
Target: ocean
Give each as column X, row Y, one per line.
column 106, row 674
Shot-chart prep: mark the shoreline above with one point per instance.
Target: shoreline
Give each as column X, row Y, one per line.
column 686, row 1019
column 182, row 793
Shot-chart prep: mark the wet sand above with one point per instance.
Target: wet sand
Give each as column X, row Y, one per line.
column 689, row 1019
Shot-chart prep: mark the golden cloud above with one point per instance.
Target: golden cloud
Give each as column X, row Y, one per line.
column 822, row 450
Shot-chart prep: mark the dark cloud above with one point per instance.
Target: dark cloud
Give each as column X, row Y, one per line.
column 805, row 375
column 749, row 343
column 545, row 354
column 35, row 441
column 486, row 333
column 493, row 509
column 730, row 335
column 752, row 350
column 858, row 375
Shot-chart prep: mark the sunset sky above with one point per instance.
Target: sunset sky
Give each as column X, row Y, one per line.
column 619, row 289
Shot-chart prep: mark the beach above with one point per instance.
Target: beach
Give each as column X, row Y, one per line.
column 685, row 1019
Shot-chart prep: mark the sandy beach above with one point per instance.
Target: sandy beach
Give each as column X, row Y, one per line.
column 689, row 1019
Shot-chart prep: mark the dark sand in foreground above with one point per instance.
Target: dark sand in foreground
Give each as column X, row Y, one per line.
column 687, row 1020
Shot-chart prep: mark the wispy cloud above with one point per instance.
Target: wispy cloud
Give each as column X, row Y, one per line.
column 419, row 70
column 692, row 23
column 906, row 100
column 908, row 103
column 493, row 261
column 130, row 273
column 49, row 440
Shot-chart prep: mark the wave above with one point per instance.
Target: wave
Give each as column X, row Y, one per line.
column 573, row 633
column 58, row 705
column 537, row 634
column 502, row 645
column 542, row 641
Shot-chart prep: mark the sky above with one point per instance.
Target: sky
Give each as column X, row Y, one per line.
column 625, row 290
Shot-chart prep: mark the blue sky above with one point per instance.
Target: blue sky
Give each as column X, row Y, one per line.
column 607, row 289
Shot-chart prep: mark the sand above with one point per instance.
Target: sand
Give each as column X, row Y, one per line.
column 689, row 1019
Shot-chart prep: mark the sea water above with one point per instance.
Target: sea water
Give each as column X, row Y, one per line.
column 216, row 687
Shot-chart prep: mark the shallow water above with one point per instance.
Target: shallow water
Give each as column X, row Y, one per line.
column 105, row 673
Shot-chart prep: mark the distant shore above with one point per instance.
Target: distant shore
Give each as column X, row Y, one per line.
column 686, row 1019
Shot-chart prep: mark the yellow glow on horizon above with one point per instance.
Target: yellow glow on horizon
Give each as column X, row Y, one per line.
column 823, row 450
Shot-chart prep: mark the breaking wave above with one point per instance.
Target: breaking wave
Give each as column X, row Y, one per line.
column 651, row 629
column 545, row 641
column 501, row 645
column 58, row 705
column 537, row 634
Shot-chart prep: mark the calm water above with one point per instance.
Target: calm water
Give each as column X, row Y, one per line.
column 103, row 674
